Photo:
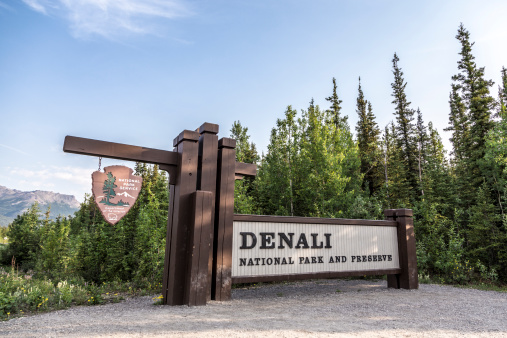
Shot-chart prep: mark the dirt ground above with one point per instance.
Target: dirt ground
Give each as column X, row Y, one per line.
column 357, row 308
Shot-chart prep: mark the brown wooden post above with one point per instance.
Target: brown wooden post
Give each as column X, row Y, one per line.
column 180, row 218
column 222, row 248
column 196, row 283
column 207, row 181
column 408, row 278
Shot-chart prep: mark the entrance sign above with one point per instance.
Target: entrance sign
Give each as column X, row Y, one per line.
column 208, row 248
column 272, row 248
column 115, row 191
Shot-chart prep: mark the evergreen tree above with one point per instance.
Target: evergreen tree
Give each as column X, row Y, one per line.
column 422, row 137
column 368, row 140
column 502, row 94
column 53, row 259
column 436, row 176
column 477, row 176
column 405, row 130
column 333, row 112
column 342, row 142
column 496, row 156
column 485, row 236
column 24, row 238
column 459, row 125
column 474, row 92
column 397, row 191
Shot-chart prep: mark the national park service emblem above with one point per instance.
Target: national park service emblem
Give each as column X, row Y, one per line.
column 115, row 191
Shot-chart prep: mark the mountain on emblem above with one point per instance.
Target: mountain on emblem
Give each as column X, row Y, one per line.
column 126, row 194
column 115, row 191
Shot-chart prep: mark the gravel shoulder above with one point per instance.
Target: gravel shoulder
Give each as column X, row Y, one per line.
column 356, row 308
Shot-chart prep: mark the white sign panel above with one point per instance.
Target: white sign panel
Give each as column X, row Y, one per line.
column 264, row 248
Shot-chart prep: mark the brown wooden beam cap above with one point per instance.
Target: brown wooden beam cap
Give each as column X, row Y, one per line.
column 209, row 128
column 404, row 213
column 391, row 213
column 226, row 142
column 186, row 135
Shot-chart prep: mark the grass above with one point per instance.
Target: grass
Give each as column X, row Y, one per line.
column 477, row 285
column 21, row 294
column 484, row 287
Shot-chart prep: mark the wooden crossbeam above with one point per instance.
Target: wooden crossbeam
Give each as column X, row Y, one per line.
column 246, row 169
column 85, row 146
column 119, row 151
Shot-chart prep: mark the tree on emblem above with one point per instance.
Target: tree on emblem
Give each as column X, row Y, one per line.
column 108, row 189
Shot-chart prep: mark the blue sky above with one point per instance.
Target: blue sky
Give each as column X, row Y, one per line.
column 152, row 68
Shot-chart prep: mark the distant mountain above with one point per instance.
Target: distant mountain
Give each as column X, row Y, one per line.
column 14, row 202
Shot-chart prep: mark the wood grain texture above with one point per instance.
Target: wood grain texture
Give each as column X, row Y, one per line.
column 320, row 275
column 222, row 244
column 408, row 278
column 207, row 181
column 196, row 281
column 312, row 220
column 246, row 169
column 85, row 146
column 181, row 219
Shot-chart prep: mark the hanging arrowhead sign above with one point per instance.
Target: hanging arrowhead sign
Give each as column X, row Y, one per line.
column 115, row 191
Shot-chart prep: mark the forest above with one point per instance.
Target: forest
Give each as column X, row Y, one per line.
column 315, row 165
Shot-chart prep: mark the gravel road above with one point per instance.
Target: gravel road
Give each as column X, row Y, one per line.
column 324, row 308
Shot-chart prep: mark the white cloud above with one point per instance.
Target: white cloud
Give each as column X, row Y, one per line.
column 72, row 174
column 13, row 149
column 66, row 180
column 111, row 18
column 36, row 5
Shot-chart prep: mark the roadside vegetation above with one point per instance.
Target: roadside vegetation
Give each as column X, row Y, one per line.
column 314, row 166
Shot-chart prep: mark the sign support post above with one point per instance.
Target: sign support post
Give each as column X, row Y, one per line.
column 222, row 248
column 180, row 218
column 408, row 278
column 207, row 181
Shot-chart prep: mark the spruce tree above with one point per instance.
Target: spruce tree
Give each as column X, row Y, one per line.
column 476, row 174
column 368, row 140
column 475, row 94
column 397, row 192
column 333, row 112
column 405, row 130
column 502, row 94
column 436, row 177
column 458, row 125
column 422, row 138
column 342, row 140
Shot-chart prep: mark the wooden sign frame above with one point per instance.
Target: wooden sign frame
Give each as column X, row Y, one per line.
column 202, row 171
column 403, row 277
